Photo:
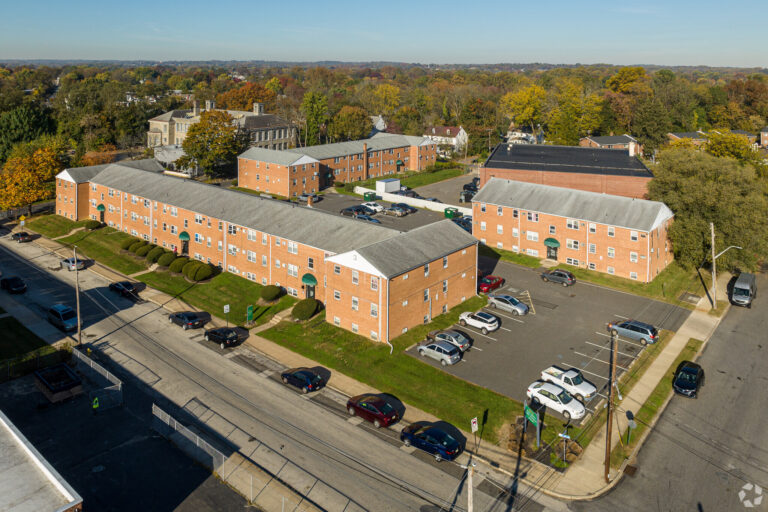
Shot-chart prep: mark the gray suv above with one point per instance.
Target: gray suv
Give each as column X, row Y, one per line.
column 632, row 329
column 441, row 351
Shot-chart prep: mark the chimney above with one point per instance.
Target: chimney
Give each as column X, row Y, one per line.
column 632, row 148
column 210, row 105
column 195, row 108
column 309, row 202
column 258, row 108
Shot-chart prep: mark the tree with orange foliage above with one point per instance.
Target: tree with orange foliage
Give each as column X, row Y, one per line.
column 105, row 155
column 27, row 178
column 244, row 97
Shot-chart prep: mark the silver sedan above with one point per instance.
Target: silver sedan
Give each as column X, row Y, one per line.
column 507, row 303
column 72, row 264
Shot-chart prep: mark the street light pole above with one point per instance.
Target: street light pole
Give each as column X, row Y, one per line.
column 609, row 422
column 77, row 296
column 714, row 266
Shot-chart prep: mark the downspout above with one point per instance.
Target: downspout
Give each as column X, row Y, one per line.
column 648, row 257
column 269, row 262
column 122, row 212
column 77, row 189
column 391, row 347
column 477, row 265
column 224, row 228
column 587, row 248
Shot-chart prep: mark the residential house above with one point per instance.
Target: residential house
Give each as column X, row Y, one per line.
column 626, row 142
column 452, row 137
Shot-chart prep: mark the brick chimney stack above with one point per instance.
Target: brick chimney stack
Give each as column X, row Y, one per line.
column 195, row 108
column 365, row 161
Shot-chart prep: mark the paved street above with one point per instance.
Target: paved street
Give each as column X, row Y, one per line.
column 702, row 452
column 334, row 203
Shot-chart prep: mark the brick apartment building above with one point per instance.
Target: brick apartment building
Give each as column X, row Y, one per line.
column 617, row 235
column 608, row 171
column 368, row 276
column 295, row 171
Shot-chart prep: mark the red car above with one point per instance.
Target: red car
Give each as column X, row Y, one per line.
column 372, row 408
column 490, row 283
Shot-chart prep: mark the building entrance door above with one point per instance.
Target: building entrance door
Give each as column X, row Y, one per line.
column 552, row 253
column 310, row 291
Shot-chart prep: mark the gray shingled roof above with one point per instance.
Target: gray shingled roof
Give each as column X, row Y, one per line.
column 378, row 142
column 309, row 226
column 84, row 174
column 618, row 211
column 272, row 156
column 689, row 135
column 607, row 140
column 413, row 249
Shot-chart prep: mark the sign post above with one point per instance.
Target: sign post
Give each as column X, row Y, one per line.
column 226, row 312
column 533, row 417
column 565, row 437
column 249, row 314
column 22, row 218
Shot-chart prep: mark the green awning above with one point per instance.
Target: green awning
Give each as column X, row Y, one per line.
column 551, row 242
column 184, row 236
column 309, row 279
column 399, row 162
column 100, row 208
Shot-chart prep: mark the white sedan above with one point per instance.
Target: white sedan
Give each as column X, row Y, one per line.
column 486, row 322
column 374, row 206
column 556, row 398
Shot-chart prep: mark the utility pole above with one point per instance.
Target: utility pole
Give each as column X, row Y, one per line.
column 714, row 271
column 611, row 377
column 470, row 498
column 77, row 296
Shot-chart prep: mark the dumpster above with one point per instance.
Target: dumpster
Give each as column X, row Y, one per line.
column 452, row 213
column 369, row 196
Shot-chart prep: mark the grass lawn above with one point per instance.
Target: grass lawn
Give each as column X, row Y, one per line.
column 223, row 289
column 103, row 245
column 52, row 226
column 408, row 378
column 651, row 407
column 501, row 254
column 17, row 340
column 410, row 179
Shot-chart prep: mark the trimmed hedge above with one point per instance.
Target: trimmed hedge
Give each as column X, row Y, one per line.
column 154, row 254
column 178, row 264
column 125, row 244
column 144, row 250
column 92, row 224
column 271, row 292
column 136, row 245
column 305, row 309
column 202, row 272
column 189, row 268
column 166, row 259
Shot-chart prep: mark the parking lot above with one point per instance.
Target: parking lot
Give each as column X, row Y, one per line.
column 566, row 327
column 447, row 191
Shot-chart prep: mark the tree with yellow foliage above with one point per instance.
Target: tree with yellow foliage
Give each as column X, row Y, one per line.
column 28, row 178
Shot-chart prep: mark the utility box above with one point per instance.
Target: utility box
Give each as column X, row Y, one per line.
column 390, row 185
column 369, row 196
column 452, row 213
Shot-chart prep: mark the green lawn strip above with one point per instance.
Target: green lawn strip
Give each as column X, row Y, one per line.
column 103, row 245
column 500, row 254
column 410, row 179
column 223, row 289
column 52, row 226
column 17, row 340
column 667, row 286
column 404, row 376
column 644, row 416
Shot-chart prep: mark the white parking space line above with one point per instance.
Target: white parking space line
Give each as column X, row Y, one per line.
column 619, row 338
column 471, row 329
column 590, row 373
column 475, row 348
column 505, row 329
column 608, row 348
column 619, row 316
column 508, row 317
column 598, row 360
column 602, row 334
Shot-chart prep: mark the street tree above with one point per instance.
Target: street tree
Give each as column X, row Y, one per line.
column 350, row 123
column 525, row 107
column 28, row 178
column 23, row 124
column 386, row 99
column 314, row 108
column 212, row 142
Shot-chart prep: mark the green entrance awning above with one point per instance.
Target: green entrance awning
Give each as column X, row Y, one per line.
column 309, row 279
column 399, row 162
column 100, row 208
column 184, row 236
column 551, row 242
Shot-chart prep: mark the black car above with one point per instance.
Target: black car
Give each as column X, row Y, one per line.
column 408, row 208
column 21, row 237
column 13, row 284
column 124, row 288
column 465, row 196
column 471, row 187
column 354, row 211
column 464, row 223
column 431, row 439
column 187, row 319
column 224, row 336
column 689, row 377
column 559, row 276
column 303, row 378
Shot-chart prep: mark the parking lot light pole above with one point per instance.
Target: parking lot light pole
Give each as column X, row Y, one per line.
column 77, row 296
column 714, row 268
column 611, row 377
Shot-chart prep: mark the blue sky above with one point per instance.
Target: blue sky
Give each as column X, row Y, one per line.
column 652, row 32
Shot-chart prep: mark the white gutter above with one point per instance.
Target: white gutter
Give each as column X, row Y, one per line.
column 391, row 347
column 648, row 257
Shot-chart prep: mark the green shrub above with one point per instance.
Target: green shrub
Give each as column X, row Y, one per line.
column 144, row 250
column 189, row 268
column 92, row 224
column 271, row 292
column 202, row 272
column 154, row 254
column 136, row 245
column 125, row 244
column 305, row 309
column 166, row 258
column 178, row 264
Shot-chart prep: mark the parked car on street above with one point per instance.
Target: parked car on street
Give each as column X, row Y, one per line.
column 72, row 264
column 744, row 290
column 486, row 322
column 187, row 319
column 394, row 210
column 224, row 336
column 570, row 380
column 368, row 218
column 431, row 439
column 13, row 284
column 489, row 283
column 124, row 288
column 372, row 408
column 21, row 237
column 456, row 338
column 559, row 276
column 441, row 351
column 557, row 399
column 688, row 378
column 305, row 379
column 63, row 317
column 376, row 207
column 508, row 303
column 408, row 208
column 632, row 329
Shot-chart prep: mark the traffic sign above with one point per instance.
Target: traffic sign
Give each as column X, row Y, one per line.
column 226, row 308
column 22, row 218
column 474, row 424
column 531, row 415
column 21, row 223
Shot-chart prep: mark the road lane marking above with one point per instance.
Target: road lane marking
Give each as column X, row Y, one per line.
column 586, row 371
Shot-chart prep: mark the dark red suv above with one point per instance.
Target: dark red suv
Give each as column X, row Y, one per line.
column 489, row 283
column 372, row 408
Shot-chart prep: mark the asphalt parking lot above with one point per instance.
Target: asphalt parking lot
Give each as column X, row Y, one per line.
column 333, row 202
column 566, row 327
column 447, row 191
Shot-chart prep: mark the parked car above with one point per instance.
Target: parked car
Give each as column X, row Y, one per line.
column 224, row 336
column 376, row 207
column 744, row 290
column 396, row 211
column 471, row 186
column 124, row 288
column 303, row 378
column 464, row 223
column 489, row 283
column 13, row 284
column 21, row 237
column 72, row 264
column 431, row 439
column 432, row 199
column 632, row 329
column 559, row 276
column 350, row 211
column 508, row 303
column 187, row 319
column 486, row 322
column 372, row 408
column 63, row 317
column 306, row 197
column 570, row 380
column 465, row 196
column 441, row 351
column 557, row 399
column 456, row 338
column 476, row 181
column 368, row 218
column 408, row 208
column 688, row 378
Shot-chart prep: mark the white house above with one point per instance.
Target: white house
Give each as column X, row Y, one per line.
column 453, row 136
